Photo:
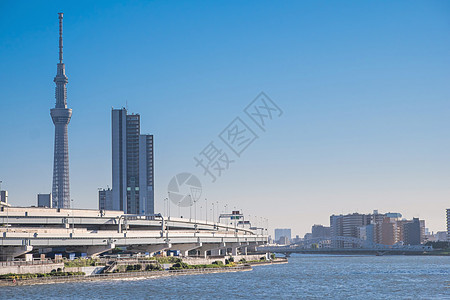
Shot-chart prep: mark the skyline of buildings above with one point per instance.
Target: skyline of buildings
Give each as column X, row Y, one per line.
column 71, row 127
column 61, row 115
column 377, row 155
column 375, row 228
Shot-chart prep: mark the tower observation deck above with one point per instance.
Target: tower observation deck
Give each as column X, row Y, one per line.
column 61, row 118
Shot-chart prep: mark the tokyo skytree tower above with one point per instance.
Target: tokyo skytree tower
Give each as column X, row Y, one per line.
column 61, row 118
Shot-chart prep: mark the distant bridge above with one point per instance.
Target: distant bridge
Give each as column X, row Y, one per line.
column 348, row 245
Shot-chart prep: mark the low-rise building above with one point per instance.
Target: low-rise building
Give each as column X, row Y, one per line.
column 4, row 198
column 105, row 199
column 441, row 236
column 448, row 224
column 44, row 200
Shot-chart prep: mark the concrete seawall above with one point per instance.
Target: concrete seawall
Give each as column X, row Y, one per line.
column 119, row 276
column 280, row 260
column 206, row 261
column 30, row 268
column 87, row 270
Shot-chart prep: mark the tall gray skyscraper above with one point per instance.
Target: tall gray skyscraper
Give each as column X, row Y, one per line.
column 132, row 165
column 61, row 118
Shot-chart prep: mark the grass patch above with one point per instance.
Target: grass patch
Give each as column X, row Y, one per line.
column 166, row 259
column 80, row 262
column 39, row 275
column 216, row 264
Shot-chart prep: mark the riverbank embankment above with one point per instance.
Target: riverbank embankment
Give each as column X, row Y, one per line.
column 121, row 276
column 276, row 261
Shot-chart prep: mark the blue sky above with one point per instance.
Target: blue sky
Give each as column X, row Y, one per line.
column 363, row 86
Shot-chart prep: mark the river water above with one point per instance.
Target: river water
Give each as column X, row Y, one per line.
column 305, row 276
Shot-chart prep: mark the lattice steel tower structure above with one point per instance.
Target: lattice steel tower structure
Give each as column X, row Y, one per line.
column 61, row 118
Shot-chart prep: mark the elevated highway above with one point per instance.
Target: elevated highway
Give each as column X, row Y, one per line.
column 31, row 229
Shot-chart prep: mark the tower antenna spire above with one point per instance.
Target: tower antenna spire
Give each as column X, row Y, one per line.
column 61, row 115
column 61, row 15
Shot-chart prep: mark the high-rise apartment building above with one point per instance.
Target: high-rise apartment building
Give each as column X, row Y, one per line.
column 376, row 228
column 411, row 232
column 364, row 226
column 448, row 224
column 388, row 231
column 132, row 165
column 400, row 229
column 350, row 224
column 423, row 231
column 336, row 230
column 146, row 195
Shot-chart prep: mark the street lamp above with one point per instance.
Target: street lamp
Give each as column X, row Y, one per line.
column 206, row 200
column 190, row 208
column 167, row 206
column 164, row 209
column 168, row 203
column 73, row 219
column 195, row 210
column 217, row 206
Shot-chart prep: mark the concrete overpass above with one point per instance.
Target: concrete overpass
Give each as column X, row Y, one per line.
column 26, row 229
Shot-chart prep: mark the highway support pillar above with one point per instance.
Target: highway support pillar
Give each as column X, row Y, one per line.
column 93, row 251
column 185, row 248
column 152, row 249
column 234, row 248
column 207, row 247
column 9, row 253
